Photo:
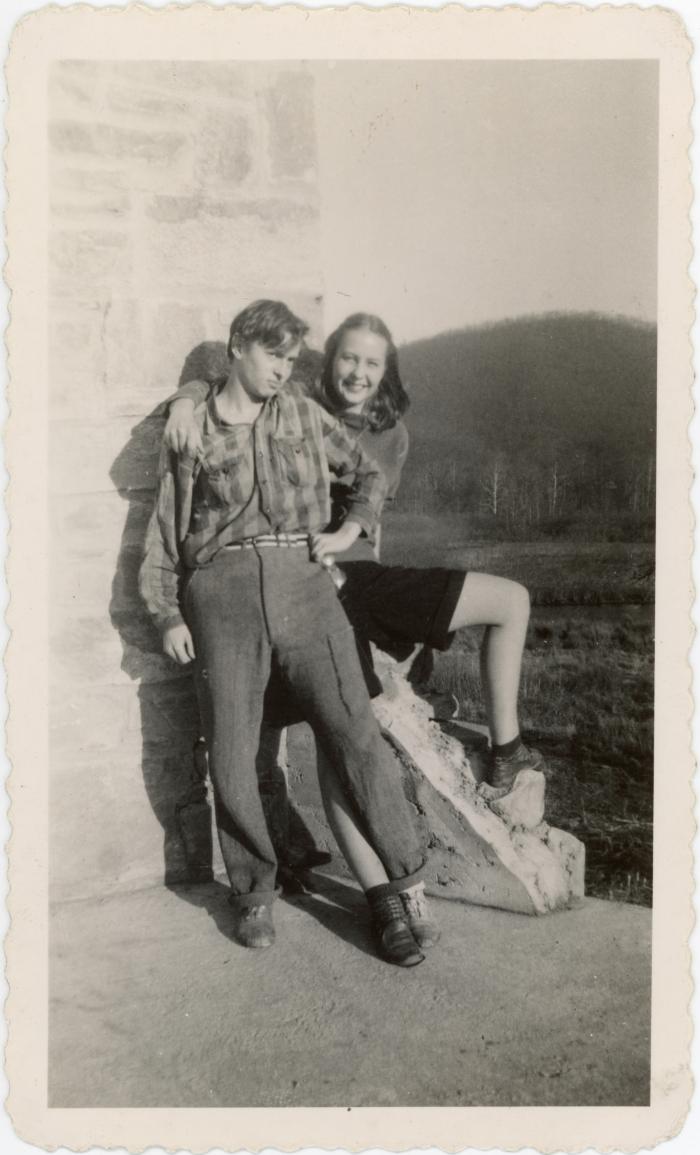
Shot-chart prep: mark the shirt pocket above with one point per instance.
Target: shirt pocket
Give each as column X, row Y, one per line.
column 296, row 460
column 227, row 486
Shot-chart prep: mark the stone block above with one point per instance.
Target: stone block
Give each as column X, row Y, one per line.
column 80, row 583
column 207, row 359
column 112, row 142
column 225, row 151
column 113, row 822
column 88, row 723
column 136, row 452
column 128, row 388
column 82, row 261
column 122, row 341
column 78, row 457
column 74, row 85
column 76, row 360
column 174, row 331
column 83, row 180
column 140, row 100
column 100, row 357
column 475, row 854
column 236, row 257
column 268, row 213
column 219, row 81
column 292, row 138
column 172, row 209
column 92, row 525
column 109, row 206
column 106, row 648
column 118, row 454
column 85, row 650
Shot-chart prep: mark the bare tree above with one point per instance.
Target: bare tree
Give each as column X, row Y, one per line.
column 493, row 484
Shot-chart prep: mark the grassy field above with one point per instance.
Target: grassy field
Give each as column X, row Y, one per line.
column 557, row 573
column 587, row 683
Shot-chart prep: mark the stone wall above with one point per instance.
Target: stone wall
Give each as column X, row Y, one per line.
column 178, row 193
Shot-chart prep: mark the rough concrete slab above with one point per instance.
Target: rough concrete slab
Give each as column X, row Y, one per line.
column 152, row 1005
column 484, row 848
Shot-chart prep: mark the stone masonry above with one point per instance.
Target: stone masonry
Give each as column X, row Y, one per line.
column 178, row 193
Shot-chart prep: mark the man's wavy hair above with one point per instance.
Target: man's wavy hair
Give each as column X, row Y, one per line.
column 271, row 323
column 391, row 400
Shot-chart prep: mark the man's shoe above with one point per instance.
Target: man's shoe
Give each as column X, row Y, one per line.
column 424, row 930
column 504, row 771
column 289, row 881
column 307, row 857
column 254, row 927
column 394, row 938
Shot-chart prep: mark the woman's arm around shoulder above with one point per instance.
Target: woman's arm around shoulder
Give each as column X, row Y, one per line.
column 181, row 433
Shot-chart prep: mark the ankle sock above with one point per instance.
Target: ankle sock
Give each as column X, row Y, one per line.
column 377, row 893
column 507, row 748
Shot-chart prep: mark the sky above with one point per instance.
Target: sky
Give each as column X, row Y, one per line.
column 459, row 192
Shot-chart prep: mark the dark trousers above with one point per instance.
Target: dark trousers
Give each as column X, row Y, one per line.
column 247, row 609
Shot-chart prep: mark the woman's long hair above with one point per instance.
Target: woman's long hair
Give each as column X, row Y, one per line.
column 391, row 400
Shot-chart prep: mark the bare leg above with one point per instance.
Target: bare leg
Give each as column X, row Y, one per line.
column 504, row 608
column 355, row 848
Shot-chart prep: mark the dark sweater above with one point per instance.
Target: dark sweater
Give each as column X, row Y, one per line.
column 389, row 448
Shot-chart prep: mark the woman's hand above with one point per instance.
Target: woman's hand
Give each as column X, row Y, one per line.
column 181, row 433
column 330, row 544
column 178, row 644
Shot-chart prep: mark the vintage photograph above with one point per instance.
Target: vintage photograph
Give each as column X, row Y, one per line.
column 352, row 517
column 457, row 263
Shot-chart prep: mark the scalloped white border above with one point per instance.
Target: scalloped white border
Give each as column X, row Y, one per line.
column 549, row 31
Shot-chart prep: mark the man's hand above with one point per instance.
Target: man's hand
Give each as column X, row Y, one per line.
column 181, row 432
column 178, row 644
column 330, row 544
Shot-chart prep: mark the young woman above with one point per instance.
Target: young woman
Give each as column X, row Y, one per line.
column 395, row 606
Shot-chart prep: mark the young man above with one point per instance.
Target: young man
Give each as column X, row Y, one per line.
column 232, row 577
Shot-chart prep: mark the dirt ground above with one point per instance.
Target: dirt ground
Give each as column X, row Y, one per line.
column 153, row 1005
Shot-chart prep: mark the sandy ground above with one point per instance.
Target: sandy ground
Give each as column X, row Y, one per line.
column 153, row 1005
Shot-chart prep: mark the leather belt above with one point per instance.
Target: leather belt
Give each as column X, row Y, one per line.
column 266, row 540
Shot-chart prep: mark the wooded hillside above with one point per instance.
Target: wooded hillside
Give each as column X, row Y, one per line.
column 539, row 424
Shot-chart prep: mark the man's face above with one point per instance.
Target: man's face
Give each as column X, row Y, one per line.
column 263, row 371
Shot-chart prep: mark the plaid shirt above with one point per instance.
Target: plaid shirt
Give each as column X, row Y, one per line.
column 269, row 477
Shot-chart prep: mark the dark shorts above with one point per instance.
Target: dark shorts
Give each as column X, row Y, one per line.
column 395, row 607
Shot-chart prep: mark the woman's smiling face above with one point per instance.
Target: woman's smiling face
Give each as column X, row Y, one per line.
column 358, row 367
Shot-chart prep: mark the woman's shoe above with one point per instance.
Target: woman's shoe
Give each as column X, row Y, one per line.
column 424, row 930
column 504, row 771
column 394, row 938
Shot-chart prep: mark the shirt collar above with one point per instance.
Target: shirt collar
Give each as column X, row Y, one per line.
column 212, row 420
